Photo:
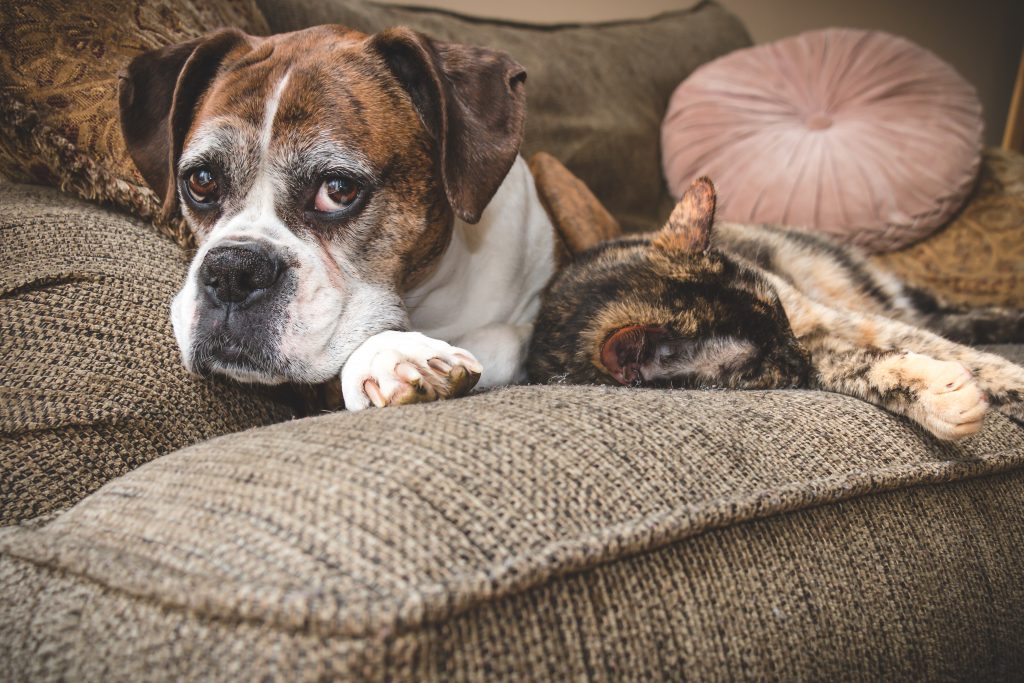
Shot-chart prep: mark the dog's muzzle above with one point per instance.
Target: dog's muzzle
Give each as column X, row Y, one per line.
column 239, row 274
column 241, row 299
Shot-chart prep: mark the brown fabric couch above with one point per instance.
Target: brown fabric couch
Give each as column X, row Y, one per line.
column 161, row 527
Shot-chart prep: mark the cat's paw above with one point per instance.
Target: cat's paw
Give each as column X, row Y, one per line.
column 948, row 402
column 396, row 368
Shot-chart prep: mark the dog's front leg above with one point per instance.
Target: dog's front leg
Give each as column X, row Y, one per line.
column 395, row 368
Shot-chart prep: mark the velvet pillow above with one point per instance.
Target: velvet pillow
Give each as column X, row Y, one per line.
column 858, row 134
column 59, row 62
column 596, row 93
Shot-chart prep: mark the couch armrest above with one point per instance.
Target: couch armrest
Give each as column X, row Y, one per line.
column 91, row 383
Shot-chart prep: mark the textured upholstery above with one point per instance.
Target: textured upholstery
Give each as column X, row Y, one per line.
column 589, row 106
column 540, row 534
column 861, row 135
column 91, row 383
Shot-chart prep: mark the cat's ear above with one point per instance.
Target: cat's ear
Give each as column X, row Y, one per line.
column 689, row 227
column 649, row 354
column 628, row 349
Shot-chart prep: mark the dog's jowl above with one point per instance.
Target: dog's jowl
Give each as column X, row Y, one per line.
column 359, row 203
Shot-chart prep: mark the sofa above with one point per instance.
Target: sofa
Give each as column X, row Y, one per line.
column 163, row 527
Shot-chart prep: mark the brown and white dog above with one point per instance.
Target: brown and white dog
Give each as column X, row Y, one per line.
column 359, row 203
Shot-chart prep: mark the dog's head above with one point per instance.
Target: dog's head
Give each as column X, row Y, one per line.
column 321, row 172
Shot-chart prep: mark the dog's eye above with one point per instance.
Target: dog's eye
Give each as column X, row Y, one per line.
column 336, row 194
column 202, row 186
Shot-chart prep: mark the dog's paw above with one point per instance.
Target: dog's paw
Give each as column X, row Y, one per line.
column 395, row 368
column 949, row 403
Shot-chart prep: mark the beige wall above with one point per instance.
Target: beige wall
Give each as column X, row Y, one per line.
column 983, row 39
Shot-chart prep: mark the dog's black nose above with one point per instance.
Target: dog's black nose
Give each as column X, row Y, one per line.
column 239, row 272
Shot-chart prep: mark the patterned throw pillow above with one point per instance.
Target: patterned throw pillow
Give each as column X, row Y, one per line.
column 59, row 64
column 978, row 259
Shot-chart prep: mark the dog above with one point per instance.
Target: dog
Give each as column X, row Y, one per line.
column 360, row 206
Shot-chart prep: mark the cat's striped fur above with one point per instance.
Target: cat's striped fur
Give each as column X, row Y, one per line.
column 765, row 307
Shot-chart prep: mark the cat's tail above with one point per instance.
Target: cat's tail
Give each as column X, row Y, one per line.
column 987, row 325
column 979, row 326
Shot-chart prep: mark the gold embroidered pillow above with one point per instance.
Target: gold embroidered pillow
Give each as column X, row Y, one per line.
column 59, row 63
column 978, row 259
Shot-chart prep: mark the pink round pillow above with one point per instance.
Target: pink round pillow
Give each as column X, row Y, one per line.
column 859, row 134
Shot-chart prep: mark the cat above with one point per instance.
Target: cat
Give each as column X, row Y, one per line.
column 705, row 305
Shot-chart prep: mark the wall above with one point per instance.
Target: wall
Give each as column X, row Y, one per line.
column 983, row 39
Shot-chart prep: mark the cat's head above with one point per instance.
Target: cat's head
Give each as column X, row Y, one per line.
column 667, row 309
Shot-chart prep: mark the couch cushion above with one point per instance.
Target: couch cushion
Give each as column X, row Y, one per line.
column 59, row 66
column 91, row 384
column 596, row 93
column 540, row 533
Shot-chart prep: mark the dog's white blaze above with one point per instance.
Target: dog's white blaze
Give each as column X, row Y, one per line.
column 261, row 196
column 257, row 219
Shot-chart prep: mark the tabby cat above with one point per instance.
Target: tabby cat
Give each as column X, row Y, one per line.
column 756, row 308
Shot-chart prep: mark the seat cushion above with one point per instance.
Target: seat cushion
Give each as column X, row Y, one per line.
column 861, row 135
column 540, row 534
column 59, row 69
column 596, row 93
column 91, row 383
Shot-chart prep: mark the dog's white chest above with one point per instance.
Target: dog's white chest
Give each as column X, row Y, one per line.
column 492, row 272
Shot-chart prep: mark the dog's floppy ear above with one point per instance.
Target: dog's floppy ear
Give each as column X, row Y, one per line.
column 472, row 100
column 157, row 94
